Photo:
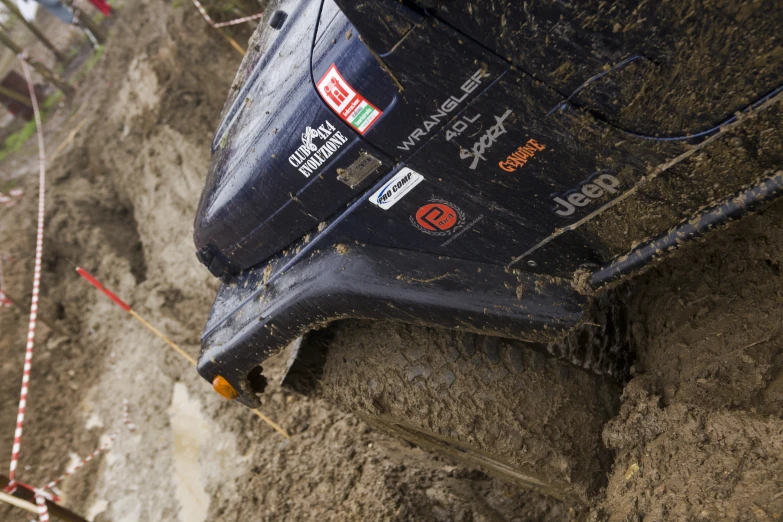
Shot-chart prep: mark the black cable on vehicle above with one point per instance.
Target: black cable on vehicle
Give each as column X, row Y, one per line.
column 312, row 44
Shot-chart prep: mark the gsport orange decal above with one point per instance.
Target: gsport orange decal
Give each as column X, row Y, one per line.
column 521, row 156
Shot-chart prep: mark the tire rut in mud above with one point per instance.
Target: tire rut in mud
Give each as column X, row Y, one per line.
column 497, row 404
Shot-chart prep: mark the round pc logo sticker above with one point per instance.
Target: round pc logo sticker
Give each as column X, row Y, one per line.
column 436, row 217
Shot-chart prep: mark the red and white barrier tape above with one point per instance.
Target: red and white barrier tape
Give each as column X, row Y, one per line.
column 224, row 24
column 126, row 417
column 10, row 199
column 129, row 424
column 75, row 19
column 28, row 356
column 4, row 301
column 42, row 495
column 48, row 496
column 240, row 20
column 43, row 510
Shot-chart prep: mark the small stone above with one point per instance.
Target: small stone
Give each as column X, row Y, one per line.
column 447, row 378
column 669, row 391
column 452, row 354
column 416, row 371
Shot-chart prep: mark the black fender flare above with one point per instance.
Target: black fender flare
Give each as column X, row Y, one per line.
column 252, row 320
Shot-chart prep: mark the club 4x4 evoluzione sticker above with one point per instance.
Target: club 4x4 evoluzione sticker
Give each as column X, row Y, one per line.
column 346, row 102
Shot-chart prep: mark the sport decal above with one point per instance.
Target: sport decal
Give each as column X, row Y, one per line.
column 347, row 103
column 486, row 141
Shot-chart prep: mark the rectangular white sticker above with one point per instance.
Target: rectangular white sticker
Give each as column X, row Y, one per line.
column 396, row 188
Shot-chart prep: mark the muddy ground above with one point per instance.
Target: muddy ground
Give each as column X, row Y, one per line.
column 699, row 434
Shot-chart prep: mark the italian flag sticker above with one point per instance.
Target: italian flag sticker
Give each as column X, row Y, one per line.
column 347, row 103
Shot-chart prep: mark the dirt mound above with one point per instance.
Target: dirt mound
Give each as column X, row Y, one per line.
column 698, row 434
column 121, row 201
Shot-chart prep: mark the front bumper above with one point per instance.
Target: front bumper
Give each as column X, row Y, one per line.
column 252, row 320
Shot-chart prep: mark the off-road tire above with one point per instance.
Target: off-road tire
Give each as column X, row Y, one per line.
column 491, row 403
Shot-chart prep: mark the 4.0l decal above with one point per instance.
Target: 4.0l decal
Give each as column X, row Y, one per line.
column 446, row 108
column 346, row 102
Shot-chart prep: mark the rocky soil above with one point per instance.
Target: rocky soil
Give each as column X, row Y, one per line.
column 699, row 435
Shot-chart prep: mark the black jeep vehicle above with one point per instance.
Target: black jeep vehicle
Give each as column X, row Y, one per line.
column 426, row 197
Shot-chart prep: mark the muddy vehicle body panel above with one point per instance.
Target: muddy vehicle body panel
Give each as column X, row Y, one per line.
column 436, row 174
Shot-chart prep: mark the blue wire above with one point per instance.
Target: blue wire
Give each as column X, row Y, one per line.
column 579, row 89
column 716, row 128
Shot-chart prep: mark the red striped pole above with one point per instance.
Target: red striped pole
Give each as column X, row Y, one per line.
column 24, row 497
column 125, row 306
column 111, row 295
column 28, row 356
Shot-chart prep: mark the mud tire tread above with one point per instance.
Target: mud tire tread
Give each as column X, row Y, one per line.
column 480, row 399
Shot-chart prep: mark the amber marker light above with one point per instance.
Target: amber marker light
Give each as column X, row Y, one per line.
column 223, row 387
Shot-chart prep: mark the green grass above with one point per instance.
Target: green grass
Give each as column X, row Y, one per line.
column 53, row 100
column 90, row 64
column 15, row 141
column 8, row 185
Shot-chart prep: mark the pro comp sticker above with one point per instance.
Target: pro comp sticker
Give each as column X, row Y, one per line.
column 396, row 188
column 350, row 105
